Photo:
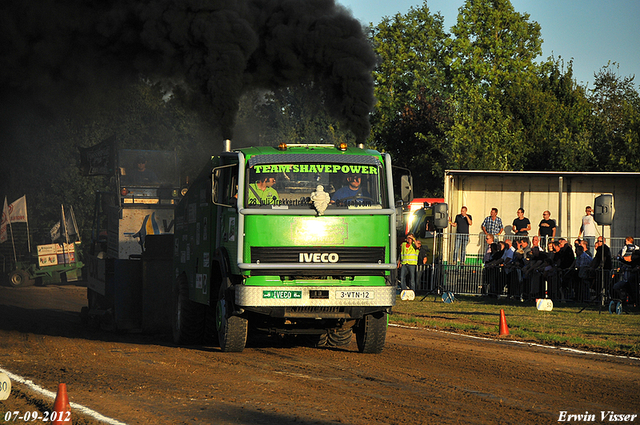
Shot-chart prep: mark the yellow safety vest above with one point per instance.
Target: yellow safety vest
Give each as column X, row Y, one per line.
column 409, row 254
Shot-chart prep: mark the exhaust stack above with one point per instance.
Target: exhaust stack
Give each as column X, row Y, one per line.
column 226, row 146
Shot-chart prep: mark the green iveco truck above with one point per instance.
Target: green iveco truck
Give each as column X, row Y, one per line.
column 292, row 240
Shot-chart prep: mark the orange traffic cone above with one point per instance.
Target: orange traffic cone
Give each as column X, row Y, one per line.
column 61, row 409
column 504, row 330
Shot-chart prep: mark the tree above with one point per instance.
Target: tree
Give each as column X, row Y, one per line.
column 294, row 114
column 411, row 83
column 554, row 114
column 616, row 121
column 40, row 157
column 492, row 57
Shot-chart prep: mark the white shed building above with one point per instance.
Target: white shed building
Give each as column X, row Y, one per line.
column 564, row 194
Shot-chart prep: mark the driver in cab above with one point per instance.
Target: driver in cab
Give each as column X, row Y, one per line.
column 262, row 192
column 352, row 190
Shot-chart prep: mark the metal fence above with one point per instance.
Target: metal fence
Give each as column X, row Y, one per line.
column 443, row 273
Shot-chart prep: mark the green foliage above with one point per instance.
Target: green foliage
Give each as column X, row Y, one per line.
column 484, row 135
column 554, row 114
column 295, row 114
column 42, row 160
column 616, row 121
column 412, row 64
column 492, row 60
column 411, row 115
column 480, row 99
column 494, row 47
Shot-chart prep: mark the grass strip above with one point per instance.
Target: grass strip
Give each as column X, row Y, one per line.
column 580, row 326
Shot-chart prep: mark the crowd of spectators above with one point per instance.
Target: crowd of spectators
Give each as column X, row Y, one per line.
column 521, row 268
column 524, row 266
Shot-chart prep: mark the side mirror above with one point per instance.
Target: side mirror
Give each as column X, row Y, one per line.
column 406, row 188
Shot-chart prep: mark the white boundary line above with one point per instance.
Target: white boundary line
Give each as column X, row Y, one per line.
column 50, row 394
column 531, row 344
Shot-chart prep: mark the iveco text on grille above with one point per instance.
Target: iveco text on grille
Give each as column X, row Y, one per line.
column 317, row 257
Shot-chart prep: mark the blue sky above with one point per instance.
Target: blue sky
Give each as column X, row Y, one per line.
column 592, row 32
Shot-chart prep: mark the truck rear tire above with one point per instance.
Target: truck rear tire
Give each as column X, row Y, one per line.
column 20, row 279
column 188, row 316
column 232, row 329
column 372, row 332
column 316, row 340
column 339, row 337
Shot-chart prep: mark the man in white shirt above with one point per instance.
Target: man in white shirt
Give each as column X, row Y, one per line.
column 588, row 229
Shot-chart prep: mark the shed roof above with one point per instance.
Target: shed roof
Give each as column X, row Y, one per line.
column 546, row 173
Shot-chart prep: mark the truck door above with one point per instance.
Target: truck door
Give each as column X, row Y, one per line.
column 224, row 197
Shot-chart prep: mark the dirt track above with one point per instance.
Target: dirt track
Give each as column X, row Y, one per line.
column 421, row 377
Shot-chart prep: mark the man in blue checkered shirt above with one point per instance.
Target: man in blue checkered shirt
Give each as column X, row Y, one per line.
column 492, row 225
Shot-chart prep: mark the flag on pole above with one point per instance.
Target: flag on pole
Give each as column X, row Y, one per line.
column 4, row 221
column 65, row 227
column 18, row 210
column 55, row 232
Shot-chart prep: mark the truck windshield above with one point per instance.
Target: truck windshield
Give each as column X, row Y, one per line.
column 146, row 168
column 356, row 184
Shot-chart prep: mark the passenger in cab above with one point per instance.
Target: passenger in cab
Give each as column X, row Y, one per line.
column 353, row 189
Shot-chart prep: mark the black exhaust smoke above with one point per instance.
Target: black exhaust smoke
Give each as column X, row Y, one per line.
column 219, row 48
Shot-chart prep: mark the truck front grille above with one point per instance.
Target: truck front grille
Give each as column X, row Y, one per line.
column 321, row 254
column 318, row 256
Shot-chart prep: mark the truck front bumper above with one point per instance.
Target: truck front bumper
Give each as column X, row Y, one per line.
column 315, row 296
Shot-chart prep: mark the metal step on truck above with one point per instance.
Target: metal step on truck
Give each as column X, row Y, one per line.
column 293, row 240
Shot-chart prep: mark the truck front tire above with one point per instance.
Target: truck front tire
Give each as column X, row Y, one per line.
column 371, row 333
column 232, row 329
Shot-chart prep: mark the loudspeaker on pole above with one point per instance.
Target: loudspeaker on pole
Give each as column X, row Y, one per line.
column 603, row 210
column 440, row 216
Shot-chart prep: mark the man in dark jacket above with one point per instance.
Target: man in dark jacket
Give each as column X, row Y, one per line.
column 565, row 261
column 598, row 258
